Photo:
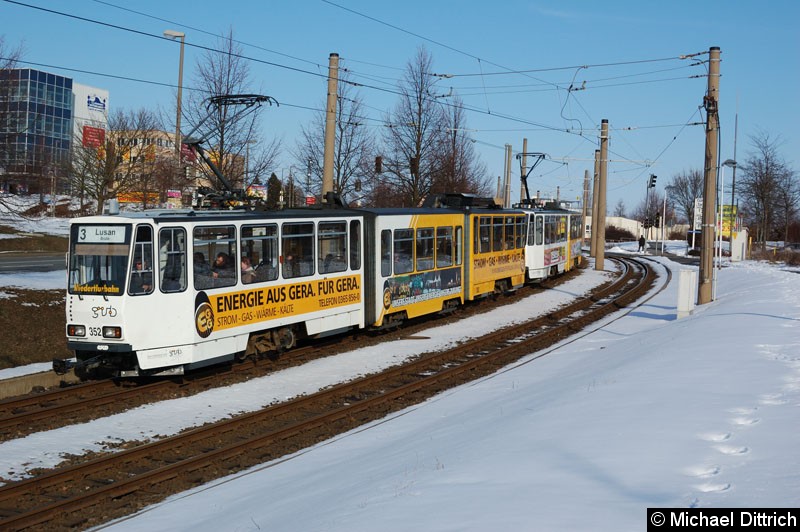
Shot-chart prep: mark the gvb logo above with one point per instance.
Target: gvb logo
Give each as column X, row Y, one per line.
column 203, row 315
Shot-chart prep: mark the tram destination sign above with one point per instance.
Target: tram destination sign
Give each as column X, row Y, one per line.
column 102, row 234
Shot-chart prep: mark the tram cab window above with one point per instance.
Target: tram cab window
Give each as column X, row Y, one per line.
column 98, row 258
column 172, row 259
column 332, row 247
column 297, row 249
column 260, row 246
column 214, row 257
column 141, row 274
column 403, row 251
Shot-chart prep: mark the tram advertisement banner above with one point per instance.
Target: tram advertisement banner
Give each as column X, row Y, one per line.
column 216, row 312
column 414, row 288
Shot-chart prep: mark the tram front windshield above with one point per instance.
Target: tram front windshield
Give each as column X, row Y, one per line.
column 98, row 259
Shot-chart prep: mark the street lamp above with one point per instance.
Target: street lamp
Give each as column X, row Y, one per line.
column 172, row 34
column 732, row 164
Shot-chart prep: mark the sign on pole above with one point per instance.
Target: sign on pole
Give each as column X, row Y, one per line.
column 698, row 214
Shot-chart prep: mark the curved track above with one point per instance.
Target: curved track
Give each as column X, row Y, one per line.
column 87, row 494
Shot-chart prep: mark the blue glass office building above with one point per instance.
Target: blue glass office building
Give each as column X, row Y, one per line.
column 36, row 129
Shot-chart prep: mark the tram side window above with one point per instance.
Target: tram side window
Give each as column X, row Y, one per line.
column 520, row 239
column 332, row 247
column 260, row 248
column 551, row 230
column 403, row 250
column 297, row 247
column 458, row 244
column 355, row 244
column 214, row 260
column 386, row 253
column 497, row 233
column 141, row 277
column 444, row 247
column 539, row 230
column 483, row 234
column 425, row 244
column 575, row 227
column 508, row 243
column 172, row 259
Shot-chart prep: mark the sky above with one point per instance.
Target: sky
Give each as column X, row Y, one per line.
column 511, row 63
column 646, row 411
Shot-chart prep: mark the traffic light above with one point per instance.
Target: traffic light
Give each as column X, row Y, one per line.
column 414, row 165
column 652, row 183
column 378, row 164
column 648, row 223
column 658, row 221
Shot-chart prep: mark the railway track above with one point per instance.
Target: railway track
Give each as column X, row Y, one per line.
column 80, row 403
column 117, row 484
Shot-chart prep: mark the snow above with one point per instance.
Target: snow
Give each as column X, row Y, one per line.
column 11, row 205
column 646, row 411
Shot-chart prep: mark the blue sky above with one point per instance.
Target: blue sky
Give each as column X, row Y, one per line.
column 629, row 49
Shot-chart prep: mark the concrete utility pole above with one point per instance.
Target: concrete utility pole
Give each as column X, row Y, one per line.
column 584, row 207
column 330, row 125
column 172, row 34
column 507, row 194
column 710, row 102
column 522, row 191
column 595, row 197
column 600, row 253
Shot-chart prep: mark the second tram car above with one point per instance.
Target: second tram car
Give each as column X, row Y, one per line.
column 555, row 238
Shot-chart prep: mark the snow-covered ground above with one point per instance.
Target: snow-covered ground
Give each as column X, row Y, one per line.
column 648, row 411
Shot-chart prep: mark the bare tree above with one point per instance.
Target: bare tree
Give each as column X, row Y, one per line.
column 459, row 167
column 619, row 210
column 787, row 202
column 234, row 139
column 354, row 148
column 415, row 134
column 768, row 189
column 651, row 207
column 124, row 163
column 683, row 190
column 10, row 122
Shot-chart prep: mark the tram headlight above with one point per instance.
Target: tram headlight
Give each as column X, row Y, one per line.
column 112, row 332
column 76, row 330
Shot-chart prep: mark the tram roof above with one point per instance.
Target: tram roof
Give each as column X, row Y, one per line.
column 201, row 215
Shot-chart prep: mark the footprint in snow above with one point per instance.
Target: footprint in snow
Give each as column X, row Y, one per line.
column 744, row 421
column 716, row 436
column 732, row 450
column 703, row 471
column 713, row 488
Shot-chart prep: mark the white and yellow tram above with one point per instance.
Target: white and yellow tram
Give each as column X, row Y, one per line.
column 164, row 292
